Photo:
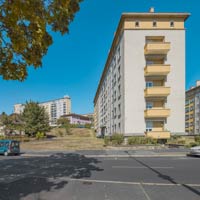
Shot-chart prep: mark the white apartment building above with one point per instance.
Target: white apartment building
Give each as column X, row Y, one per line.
column 55, row 108
column 142, row 87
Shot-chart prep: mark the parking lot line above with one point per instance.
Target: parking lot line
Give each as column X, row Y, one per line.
column 131, row 183
column 145, row 193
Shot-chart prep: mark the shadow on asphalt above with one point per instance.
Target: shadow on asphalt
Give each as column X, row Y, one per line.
column 163, row 176
column 22, row 178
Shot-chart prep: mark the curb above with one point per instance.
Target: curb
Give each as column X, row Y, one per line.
column 132, row 156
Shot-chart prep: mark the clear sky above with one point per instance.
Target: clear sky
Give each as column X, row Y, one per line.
column 74, row 62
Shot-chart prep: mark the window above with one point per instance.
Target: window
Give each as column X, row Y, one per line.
column 114, row 63
column 119, row 91
column 115, row 111
column 119, row 126
column 137, row 24
column 115, row 95
column 149, row 105
column 172, row 24
column 119, row 55
column 149, row 126
column 149, row 62
column 119, row 73
column 119, row 110
column 149, row 84
column 154, row 23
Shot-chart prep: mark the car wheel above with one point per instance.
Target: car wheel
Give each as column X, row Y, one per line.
column 5, row 153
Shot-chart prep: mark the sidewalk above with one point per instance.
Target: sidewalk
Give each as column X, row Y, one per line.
column 112, row 153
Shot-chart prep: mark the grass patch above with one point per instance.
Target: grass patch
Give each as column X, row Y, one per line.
column 79, row 139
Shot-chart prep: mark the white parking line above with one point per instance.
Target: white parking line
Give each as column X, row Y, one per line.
column 141, row 167
column 145, row 193
column 130, row 183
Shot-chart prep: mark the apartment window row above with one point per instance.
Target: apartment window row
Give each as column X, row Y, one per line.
column 154, row 23
column 114, row 128
column 114, row 96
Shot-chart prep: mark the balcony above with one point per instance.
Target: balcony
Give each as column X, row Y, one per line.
column 159, row 91
column 158, row 134
column 157, row 48
column 156, row 70
column 157, row 113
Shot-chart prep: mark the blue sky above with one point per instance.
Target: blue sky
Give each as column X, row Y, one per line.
column 74, row 62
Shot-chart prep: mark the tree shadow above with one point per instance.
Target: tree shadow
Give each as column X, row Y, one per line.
column 165, row 177
column 29, row 176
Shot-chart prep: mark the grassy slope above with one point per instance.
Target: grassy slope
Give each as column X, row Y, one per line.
column 79, row 139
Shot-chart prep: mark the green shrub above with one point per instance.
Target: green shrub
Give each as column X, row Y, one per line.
column 74, row 125
column 88, row 126
column 192, row 144
column 2, row 137
column 39, row 135
column 117, row 139
column 175, row 137
column 197, row 139
column 141, row 140
column 181, row 142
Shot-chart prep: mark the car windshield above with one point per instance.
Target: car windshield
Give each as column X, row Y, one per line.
column 15, row 144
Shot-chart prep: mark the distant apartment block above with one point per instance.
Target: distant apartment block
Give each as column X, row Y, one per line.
column 142, row 87
column 192, row 110
column 77, row 119
column 55, row 108
column 18, row 108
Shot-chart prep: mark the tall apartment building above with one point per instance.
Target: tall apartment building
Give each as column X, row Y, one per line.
column 55, row 108
column 192, row 110
column 142, row 87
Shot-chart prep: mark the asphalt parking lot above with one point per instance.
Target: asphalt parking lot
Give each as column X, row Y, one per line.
column 75, row 176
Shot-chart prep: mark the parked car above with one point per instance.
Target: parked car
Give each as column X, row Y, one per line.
column 8, row 147
column 194, row 151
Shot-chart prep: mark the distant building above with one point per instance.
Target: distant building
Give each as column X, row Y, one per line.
column 55, row 108
column 90, row 115
column 192, row 110
column 77, row 119
column 142, row 87
column 18, row 108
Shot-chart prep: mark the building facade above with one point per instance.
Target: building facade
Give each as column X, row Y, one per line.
column 77, row 119
column 142, row 87
column 55, row 108
column 192, row 110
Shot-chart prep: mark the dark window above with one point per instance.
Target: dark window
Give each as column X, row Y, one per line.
column 137, row 24
column 172, row 24
column 154, row 23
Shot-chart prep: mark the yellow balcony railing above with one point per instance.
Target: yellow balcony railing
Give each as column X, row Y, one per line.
column 159, row 69
column 157, row 113
column 157, row 48
column 158, row 134
column 159, row 91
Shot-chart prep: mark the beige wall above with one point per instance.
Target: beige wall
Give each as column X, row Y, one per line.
column 148, row 23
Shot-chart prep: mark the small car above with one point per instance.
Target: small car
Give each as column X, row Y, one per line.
column 194, row 151
column 8, row 147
